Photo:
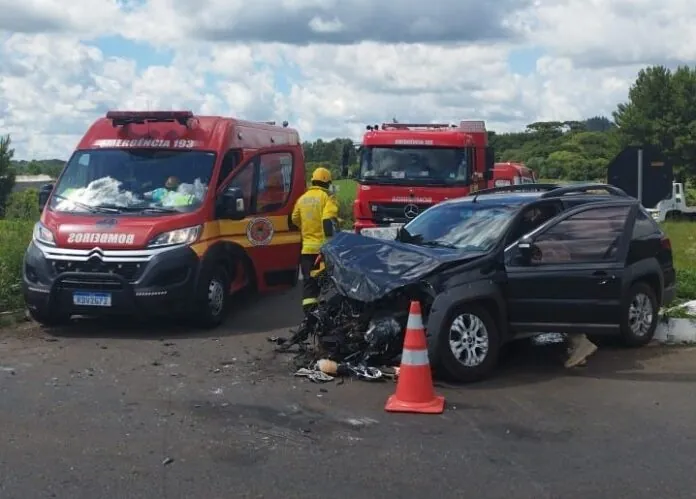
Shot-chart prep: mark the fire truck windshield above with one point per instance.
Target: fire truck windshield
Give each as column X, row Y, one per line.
column 133, row 181
column 415, row 165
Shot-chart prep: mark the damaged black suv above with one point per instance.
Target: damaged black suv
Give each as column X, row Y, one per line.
column 511, row 263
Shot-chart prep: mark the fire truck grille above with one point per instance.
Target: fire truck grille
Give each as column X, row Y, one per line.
column 396, row 212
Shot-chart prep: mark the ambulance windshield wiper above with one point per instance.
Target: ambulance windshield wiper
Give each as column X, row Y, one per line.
column 137, row 208
column 86, row 207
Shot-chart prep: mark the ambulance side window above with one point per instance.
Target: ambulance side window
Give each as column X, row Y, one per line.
column 244, row 180
column 229, row 162
column 274, row 181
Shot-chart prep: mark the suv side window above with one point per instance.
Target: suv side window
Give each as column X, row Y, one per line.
column 532, row 218
column 644, row 226
column 589, row 236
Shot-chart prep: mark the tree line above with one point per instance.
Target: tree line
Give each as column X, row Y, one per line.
column 660, row 111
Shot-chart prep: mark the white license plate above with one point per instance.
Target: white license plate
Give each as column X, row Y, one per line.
column 92, row 299
column 380, row 232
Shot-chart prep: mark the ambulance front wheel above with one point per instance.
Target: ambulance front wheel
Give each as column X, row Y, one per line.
column 213, row 297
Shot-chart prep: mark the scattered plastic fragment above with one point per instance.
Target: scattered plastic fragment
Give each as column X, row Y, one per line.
column 313, row 375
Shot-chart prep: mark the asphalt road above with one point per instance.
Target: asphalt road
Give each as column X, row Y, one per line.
column 158, row 411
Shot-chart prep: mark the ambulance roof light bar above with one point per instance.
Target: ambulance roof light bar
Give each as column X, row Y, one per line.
column 408, row 126
column 121, row 118
column 273, row 123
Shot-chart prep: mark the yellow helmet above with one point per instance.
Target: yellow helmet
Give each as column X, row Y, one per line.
column 321, row 174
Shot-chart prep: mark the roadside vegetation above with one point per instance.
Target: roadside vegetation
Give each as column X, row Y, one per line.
column 659, row 111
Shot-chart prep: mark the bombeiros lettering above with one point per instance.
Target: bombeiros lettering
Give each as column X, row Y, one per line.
column 101, row 238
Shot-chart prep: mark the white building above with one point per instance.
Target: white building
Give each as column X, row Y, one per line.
column 24, row 182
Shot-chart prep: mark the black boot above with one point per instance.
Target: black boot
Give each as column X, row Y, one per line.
column 301, row 334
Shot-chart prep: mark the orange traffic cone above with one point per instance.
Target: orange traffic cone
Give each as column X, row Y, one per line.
column 414, row 388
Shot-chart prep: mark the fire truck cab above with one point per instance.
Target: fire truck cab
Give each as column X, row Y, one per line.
column 511, row 174
column 406, row 168
column 166, row 212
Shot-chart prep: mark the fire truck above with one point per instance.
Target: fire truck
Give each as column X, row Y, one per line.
column 406, row 168
column 166, row 212
column 510, row 173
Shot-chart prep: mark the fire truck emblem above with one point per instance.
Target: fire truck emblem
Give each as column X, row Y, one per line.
column 411, row 210
column 260, row 231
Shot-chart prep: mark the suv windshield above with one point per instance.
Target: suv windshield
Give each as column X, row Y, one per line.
column 415, row 165
column 467, row 226
column 133, row 181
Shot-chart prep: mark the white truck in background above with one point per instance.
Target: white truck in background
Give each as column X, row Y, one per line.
column 674, row 207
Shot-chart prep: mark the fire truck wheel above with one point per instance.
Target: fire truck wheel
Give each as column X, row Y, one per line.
column 213, row 297
column 49, row 318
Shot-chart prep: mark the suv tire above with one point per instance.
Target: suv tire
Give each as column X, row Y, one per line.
column 639, row 315
column 470, row 329
column 213, row 297
column 49, row 318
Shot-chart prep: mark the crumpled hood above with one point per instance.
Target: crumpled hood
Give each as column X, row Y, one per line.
column 366, row 269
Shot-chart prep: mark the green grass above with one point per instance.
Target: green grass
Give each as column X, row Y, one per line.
column 683, row 237
column 14, row 238
column 347, row 190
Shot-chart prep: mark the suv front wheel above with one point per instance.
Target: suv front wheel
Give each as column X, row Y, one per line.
column 468, row 344
column 639, row 315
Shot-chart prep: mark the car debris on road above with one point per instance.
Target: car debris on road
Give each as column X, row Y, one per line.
column 361, row 317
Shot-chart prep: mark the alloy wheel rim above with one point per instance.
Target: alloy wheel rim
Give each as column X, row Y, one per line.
column 468, row 340
column 640, row 314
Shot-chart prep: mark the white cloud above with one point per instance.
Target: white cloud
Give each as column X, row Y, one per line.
column 346, row 64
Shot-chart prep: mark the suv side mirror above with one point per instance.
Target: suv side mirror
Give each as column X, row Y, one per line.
column 490, row 164
column 528, row 250
column 44, row 194
column 232, row 205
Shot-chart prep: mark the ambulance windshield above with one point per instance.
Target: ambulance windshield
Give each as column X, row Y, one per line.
column 415, row 165
column 134, row 181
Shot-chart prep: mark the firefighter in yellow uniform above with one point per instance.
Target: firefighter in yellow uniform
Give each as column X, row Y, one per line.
column 316, row 215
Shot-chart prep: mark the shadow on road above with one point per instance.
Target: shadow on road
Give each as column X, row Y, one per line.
column 523, row 363
column 256, row 314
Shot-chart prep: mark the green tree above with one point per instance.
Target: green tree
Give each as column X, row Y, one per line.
column 661, row 111
column 598, row 124
column 7, row 174
column 34, row 168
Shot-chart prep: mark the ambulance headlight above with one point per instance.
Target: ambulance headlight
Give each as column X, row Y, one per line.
column 43, row 235
column 177, row 237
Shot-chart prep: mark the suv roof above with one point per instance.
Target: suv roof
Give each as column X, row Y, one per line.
column 527, row 193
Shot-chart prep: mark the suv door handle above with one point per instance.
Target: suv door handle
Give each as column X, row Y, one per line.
column 607, row 277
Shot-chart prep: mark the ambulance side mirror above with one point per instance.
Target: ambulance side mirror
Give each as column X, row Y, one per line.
column 232, row 204
column 44, row 194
